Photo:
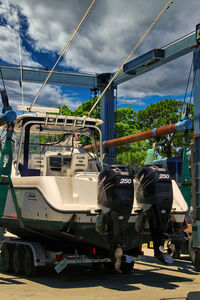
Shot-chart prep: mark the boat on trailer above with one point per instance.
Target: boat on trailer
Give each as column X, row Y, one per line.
column 66, row 199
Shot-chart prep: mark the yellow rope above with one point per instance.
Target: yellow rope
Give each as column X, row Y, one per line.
column 64, row 50
column 120, row 68
column 20, row 65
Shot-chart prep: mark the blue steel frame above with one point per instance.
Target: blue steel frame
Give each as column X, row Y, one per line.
column 142, row 64
column 136, row 67
column 196, row 149
column 107, row 128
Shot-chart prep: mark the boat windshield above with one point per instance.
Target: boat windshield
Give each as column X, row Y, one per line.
column 45, row 150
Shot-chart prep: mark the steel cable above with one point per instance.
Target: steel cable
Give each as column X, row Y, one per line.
column 166, row 7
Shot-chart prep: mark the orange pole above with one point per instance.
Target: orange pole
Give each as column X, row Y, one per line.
column 141, row 136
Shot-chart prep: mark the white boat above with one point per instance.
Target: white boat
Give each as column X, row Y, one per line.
column 67, row 200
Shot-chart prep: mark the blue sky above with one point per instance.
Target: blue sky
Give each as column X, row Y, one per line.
column 111, row 31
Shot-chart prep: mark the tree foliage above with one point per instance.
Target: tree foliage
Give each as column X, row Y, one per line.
column 128, row 121
column 126, row 124
column 82, row 110
column 160, row 114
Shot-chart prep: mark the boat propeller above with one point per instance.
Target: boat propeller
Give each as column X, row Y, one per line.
column 124, row 262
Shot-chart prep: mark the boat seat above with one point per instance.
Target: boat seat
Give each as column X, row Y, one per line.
column 25, row 172
column 92, row 166
column 37, row 161
column 79, row 163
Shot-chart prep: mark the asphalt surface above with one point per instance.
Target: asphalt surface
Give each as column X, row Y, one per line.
column 149, row 280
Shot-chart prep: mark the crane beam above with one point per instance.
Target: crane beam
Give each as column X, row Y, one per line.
column 138, row 66
column 35, row 75
column 156, row 57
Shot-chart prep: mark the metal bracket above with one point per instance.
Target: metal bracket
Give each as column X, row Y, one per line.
column 198, row 33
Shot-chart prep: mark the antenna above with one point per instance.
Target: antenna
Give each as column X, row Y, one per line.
column 62, row 53
column 20, row 65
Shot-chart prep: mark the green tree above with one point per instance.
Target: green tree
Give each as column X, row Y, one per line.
column 82, row 110
column 85, row 107
column 64, row 110
column 160, row 114
column 128, row 122
column 133, row 154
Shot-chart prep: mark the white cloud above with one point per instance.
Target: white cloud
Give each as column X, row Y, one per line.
column 9, row 37
column 169, row 79
column 137, row 102
column 51, row 96
column 111, row 31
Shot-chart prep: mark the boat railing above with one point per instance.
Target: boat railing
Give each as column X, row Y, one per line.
column 71, row 121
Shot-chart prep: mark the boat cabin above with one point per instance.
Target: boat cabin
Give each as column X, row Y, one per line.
column 51, row 145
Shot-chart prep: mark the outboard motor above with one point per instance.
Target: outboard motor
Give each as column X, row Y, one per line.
column 115, row 199
column 154, row 194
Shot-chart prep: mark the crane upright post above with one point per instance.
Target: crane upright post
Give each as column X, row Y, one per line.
column 194, row 247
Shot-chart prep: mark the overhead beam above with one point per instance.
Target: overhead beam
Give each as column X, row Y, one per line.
column 156, row 58
column 64, row 78
column 138, row 66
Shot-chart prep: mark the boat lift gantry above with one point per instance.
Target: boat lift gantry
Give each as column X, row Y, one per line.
column 138, row 66
column 132, row 69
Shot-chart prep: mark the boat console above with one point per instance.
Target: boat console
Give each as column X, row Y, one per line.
column 48, row 145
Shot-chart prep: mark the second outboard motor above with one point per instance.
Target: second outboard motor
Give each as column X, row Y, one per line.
column 154, row 194
column 115, row 199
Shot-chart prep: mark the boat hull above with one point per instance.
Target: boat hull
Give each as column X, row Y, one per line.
column 63, row 225
column 81, row 235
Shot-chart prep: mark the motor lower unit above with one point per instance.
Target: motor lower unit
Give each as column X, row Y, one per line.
column 154, row 194
column 115, row 199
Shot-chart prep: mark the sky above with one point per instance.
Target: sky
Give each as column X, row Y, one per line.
column 111, row 31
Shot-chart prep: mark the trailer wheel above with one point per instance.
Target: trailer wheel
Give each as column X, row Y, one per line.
column 127, row 267
column 29, row 269
column 6, row 255
column 109, row 266
column 174, row 251
column 195, row 255
column 96, row 266
column 18, row 256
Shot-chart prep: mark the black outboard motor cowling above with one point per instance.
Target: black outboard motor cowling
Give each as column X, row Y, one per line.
column 115, row 198
column 154, row 186
column 115, row 189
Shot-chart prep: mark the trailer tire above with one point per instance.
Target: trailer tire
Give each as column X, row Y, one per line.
column 174, row 251
column 109, row 266
column 18, row 256
column 195, row 255
column 96, row 266
column 29, row 269
column 6, row 255
column 127, row 267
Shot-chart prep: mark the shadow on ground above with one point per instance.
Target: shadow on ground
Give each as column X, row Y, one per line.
column 182, row 265
column 80, row 276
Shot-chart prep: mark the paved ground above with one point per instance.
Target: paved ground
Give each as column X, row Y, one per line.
column 148, row 281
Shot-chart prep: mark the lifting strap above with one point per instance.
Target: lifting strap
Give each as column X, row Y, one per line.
column 186, row 179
